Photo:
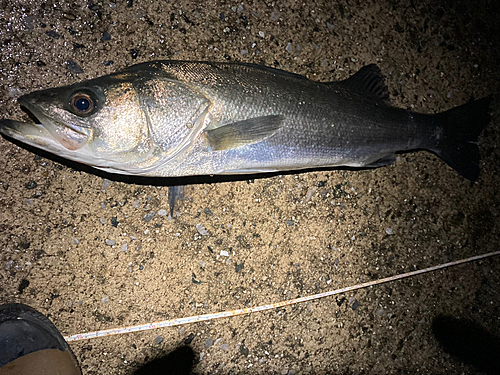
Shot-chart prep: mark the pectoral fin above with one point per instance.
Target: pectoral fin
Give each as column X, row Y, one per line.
column 243, row 132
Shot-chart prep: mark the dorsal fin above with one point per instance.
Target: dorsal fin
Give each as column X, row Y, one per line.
column 367, row 82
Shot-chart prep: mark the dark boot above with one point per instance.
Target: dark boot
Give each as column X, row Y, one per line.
column 31, row 344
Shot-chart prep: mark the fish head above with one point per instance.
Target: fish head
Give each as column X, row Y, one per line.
column 97, row 122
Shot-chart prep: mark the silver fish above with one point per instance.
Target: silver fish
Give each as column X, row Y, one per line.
column 178, row 118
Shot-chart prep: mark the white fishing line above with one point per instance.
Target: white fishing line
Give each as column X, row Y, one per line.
column 248, row 310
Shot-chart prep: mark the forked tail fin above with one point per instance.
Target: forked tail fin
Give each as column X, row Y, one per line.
column 461, row 126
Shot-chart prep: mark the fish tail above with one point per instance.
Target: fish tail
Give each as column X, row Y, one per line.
column 461, row 126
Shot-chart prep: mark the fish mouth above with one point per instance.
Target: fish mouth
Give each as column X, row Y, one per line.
column 43, row 132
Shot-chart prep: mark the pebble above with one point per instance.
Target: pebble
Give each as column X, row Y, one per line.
column 355, row 305
column 103, row 221
column 159, row 340
column 201, row 229
column 261, row 34
column 224, row 253
column 105, row 299
column 289, row 47
column 52, row 34
column 8, row 264
column 108, row 62
column 202, row 354
column 73, row 66
column 149, row 216
column 110, row 242
column 208, row 343
column 162, row 212
column 189, row 339
column 105, row 183
column 105, row 36
column 75, row 240
column 217, row 341
column 14, row 92
column 389, row 231
column 224, row 347
column 31, row 185
column 124, row 247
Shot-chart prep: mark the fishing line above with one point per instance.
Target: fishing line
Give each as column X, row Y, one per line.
column 249, row 310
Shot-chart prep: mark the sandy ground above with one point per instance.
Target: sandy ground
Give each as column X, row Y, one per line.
column 95, row 253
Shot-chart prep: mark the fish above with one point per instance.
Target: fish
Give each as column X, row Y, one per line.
column 182, row 118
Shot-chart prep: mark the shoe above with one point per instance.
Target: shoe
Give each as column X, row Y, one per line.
column 31, row 344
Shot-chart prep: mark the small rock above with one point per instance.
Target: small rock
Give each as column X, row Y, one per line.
column 147, row 218
column 162, row 212
column 224, row 347
column 31, row 185
column 201, row 229
column 73, row 66
column 124, row 247
column 355, row 305
column 224, row 253
column 159, row 340
column 8, row 264
column 105, row 183
column 110, row 242
column 75, row 241
column 261, row 34
column 289, row 47
column 108, row 62
column 189, row 339
column 208, row 343
column 52, row 34
column 105, row 36
column 202, row 354
column 105, row 299
column 389, row 231
column 134, row 53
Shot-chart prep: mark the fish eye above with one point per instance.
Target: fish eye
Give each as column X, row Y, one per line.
column 82, row 103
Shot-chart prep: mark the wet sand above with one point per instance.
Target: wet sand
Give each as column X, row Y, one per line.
column 93, row 251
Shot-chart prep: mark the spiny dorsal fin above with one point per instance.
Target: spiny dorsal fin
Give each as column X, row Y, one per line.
column 244, row 132
column 367, row 82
